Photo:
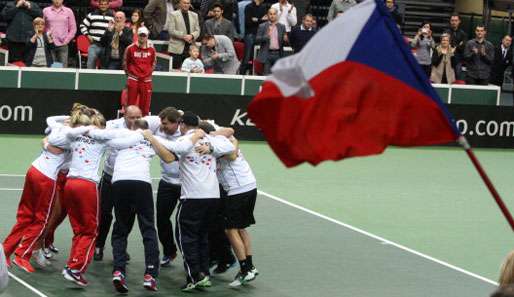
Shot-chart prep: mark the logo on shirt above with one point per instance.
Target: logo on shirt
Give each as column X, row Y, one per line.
column 138, row 54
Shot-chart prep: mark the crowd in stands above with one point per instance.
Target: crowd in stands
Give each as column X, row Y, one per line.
column 211, row 39
column 457, row 59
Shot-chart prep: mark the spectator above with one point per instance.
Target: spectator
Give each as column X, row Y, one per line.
column 423, row 43
column 115, row 40
column 39, row 46
column 286, row 14
column 193, row 64
column 271, row 36
column 157, row 15
column 479, row 56
column 443, row 62
column 300, row 35
column 218, row 53
column 393, row 9
column 255, row 14
column 113, row 4
column 60, row 21
column 94, row 27
column 338, row 7
column 507, row 291
column 184, row 29
column 136, row 22
column 229, row 9
column 502, row 60
column 218, row 25
column 139, row 63
column 458, row 40
column 507, row 271
column 19, row 15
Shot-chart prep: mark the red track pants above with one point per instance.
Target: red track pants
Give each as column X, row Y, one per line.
column 141, row 89
column 58, row 213
column 32, row 216
column 81, row 202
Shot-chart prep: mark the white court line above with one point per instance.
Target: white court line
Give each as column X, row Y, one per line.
column 382, row 240
column 10, row 189
column 39, row 293
column 11, row 175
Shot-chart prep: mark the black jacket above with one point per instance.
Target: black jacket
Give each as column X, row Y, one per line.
column 499, row 65
column 458, row 40
column 31, row 51
column 19, row 21
column 105, row 41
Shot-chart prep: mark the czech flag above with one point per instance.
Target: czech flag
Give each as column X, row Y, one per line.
column 354, row 89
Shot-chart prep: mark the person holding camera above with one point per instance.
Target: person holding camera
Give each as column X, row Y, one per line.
column 423, row 43
column 19, row 15
column 479, row 56
column 443, row 62
column 39, row 46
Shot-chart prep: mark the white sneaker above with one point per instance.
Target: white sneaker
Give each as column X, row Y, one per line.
column 241, row 279
column 40, row 258
column 254, row 271
column 48, row 254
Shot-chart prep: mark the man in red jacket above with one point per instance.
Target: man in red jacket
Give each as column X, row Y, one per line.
column 139, row 62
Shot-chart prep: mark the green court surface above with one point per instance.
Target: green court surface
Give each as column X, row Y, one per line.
column 410, row 222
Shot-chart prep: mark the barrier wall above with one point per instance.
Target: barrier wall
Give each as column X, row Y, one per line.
column 28, row 96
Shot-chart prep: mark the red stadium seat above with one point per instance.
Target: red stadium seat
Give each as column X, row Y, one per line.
column 258, row 67
column 240, row 50
column 459, row 82
column 82, row 48
column 18, row 63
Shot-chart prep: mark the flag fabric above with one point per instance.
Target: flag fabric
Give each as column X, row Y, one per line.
column 354, row 89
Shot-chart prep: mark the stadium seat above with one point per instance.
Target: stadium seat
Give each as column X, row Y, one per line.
column 459, row 82
column 82, row 50
column 240, row 50
column 258, row 67
column 18, row 63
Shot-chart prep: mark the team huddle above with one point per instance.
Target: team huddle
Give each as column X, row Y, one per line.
column 200, row 163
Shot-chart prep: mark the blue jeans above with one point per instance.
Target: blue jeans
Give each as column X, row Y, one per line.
column 93, row 53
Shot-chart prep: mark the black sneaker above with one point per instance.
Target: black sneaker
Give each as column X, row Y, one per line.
column 99, row 254
column 223, row 267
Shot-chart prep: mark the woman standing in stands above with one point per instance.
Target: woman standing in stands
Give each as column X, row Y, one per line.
column 423, row 43
column 39, row 46
column 443, row 62
column 136, row 22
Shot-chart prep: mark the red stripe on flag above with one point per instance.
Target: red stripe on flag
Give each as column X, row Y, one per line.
column 356, row 111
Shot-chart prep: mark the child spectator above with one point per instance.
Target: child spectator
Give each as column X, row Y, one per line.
column 193, row 64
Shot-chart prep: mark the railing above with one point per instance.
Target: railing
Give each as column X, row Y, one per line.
column 193, row 83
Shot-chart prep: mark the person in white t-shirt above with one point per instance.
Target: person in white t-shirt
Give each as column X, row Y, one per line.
column 286, row 14
column 237, row 179
column 132, row 190
column 132, row 113
column 198, row 201
column 193, row 64
column 81, row 199
column 35, row 205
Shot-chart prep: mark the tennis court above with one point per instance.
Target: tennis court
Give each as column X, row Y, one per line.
column 417, row 222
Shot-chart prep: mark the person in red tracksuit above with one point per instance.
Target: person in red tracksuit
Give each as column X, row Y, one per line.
column 139, row 63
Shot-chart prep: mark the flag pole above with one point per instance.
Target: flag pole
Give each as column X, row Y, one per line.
column 465, row 145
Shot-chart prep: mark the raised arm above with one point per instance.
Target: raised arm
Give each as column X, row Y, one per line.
column 126, row 141
column 221, row 146
column 158, row 147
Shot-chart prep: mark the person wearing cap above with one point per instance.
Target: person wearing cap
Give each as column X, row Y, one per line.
column 139, row 64
column 115, row 40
